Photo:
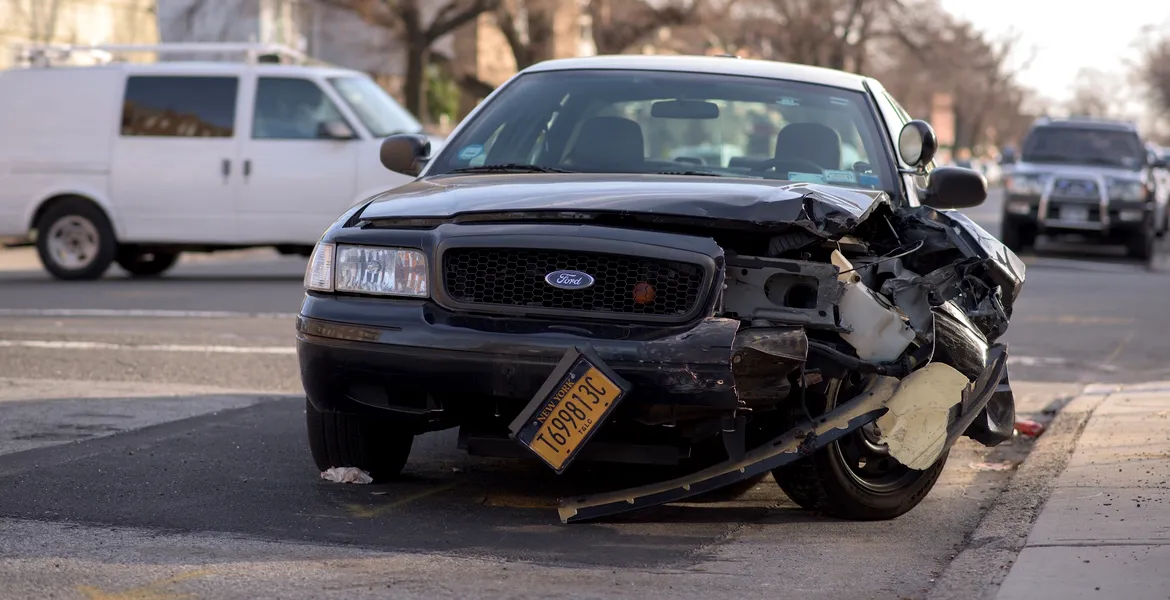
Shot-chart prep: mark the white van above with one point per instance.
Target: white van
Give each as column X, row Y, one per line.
column 134, row 163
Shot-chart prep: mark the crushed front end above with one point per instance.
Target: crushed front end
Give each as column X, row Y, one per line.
column 719, row 327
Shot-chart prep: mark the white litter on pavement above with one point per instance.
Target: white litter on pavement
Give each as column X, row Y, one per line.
column 346, row 475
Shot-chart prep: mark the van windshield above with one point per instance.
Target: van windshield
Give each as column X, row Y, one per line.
column 381, row 115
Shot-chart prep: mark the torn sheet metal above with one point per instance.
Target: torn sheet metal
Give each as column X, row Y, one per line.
column 796, row 443
column 762, row 358
column 915, row 428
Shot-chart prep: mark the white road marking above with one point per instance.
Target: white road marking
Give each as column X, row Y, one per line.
column 66, row 345
column 136, row 313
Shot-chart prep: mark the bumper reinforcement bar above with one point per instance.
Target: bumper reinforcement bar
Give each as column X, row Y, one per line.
column 796, row 443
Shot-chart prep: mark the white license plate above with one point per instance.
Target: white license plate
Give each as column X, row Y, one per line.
column 1075, row 214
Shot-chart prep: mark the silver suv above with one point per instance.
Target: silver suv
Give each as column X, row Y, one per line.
column 1093, row 179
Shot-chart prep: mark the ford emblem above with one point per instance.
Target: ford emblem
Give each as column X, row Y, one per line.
column 569, row 280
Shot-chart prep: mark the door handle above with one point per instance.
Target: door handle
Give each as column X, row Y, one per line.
column 247, row 167
column 226, row 168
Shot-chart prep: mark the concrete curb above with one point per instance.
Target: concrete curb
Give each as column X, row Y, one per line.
column 978, row 571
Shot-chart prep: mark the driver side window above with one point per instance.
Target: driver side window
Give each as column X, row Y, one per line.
column 290, row 108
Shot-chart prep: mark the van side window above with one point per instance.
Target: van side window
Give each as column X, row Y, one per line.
column 291, row 109
column 169, row 106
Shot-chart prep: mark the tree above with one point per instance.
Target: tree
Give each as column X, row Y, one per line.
column 1154, row 71
column 407, row 20
column 1094, row 94
column 619, row 25
column 529, row 27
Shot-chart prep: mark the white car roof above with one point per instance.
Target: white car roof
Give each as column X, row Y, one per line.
column 712, row 64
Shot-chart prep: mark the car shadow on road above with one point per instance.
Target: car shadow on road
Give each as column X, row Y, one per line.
column 247, row 471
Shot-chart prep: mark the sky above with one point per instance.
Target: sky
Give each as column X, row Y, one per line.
column 1062, row 36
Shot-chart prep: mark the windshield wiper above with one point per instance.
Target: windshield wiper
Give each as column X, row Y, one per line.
column 510, row 168
column 706, row 173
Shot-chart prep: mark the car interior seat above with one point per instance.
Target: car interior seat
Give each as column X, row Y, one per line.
column 810, row 142
column 609, row 144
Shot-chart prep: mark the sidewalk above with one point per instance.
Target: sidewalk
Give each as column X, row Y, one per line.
column 1105, row 530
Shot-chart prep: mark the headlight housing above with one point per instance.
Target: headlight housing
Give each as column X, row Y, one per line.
column 376, row 270
column 1127, row 190
column 1029, row 184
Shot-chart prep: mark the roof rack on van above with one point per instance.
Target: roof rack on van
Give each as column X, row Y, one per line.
column 45, row 55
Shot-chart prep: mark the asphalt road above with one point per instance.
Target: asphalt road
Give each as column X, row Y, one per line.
column 152, row 442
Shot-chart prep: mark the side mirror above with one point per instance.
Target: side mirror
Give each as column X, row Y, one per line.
column 917, row 143
column 1160, row 163
column 955, row 187
column 335, row 130
column 405, row 153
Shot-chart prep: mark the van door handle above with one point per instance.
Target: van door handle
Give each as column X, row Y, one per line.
column 226, row 168
column 247, row 167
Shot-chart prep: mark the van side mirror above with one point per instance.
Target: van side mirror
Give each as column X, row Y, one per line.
column 335, row 130
column 955, row 187
column 405, row 153
column 917, row 143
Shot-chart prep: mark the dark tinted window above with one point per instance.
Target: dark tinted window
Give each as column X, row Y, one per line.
column 291, row 109
column 1084, row 145
column 180, row 106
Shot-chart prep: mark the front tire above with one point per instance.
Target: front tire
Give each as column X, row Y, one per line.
column 75, row 240
column 854, row 478
column 1141, row 246
column 145, row 264
column 1017, row 237
column 377, row 445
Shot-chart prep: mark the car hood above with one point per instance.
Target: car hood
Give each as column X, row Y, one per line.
column 1068, row 170
column 746, row 202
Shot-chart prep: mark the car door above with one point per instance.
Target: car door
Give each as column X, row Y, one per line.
column 299, row 164
column 171, row 176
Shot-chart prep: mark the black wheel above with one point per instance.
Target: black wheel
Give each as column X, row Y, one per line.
column 1017, row 237
column 1141, row 245
column 75, row 240
column 145, row 264
column 374, row 444
column 854, row 478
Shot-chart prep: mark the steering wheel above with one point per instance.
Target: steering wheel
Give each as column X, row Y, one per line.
column 772, row 163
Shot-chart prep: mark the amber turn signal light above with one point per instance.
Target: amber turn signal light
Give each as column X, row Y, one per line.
column 643, row 293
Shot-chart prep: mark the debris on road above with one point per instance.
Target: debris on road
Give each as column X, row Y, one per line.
column 346, row 475
column 1006, row 465
column 1029, row 428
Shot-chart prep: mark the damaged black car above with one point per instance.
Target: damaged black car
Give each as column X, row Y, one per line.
column 737, row 267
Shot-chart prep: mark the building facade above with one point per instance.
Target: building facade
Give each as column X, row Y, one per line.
column 78, row 22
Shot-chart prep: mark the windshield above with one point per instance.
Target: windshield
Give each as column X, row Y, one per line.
column 620, row 121
column 381, row 115
column 1084, row 145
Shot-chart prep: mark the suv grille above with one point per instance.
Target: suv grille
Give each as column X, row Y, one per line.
column 514, row 277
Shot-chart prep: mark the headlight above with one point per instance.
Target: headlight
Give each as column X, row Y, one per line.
column 1127, row 190
column 1025, row 185
column 319, row 273
column 384, row 271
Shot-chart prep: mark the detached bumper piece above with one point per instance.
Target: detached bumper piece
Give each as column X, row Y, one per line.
column 798, row 442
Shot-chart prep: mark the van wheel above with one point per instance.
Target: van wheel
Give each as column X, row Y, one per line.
column 145, row 264
column 75, row 240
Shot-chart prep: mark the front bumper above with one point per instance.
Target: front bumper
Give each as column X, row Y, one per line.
column 434, row 367
column 1094, row 217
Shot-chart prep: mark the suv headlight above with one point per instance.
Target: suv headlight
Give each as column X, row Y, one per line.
column 1025, row 185
column 368, row 270
column 1127, row 190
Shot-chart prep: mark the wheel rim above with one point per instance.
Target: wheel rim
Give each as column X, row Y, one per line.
column 867, row 462
column 73, row 242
